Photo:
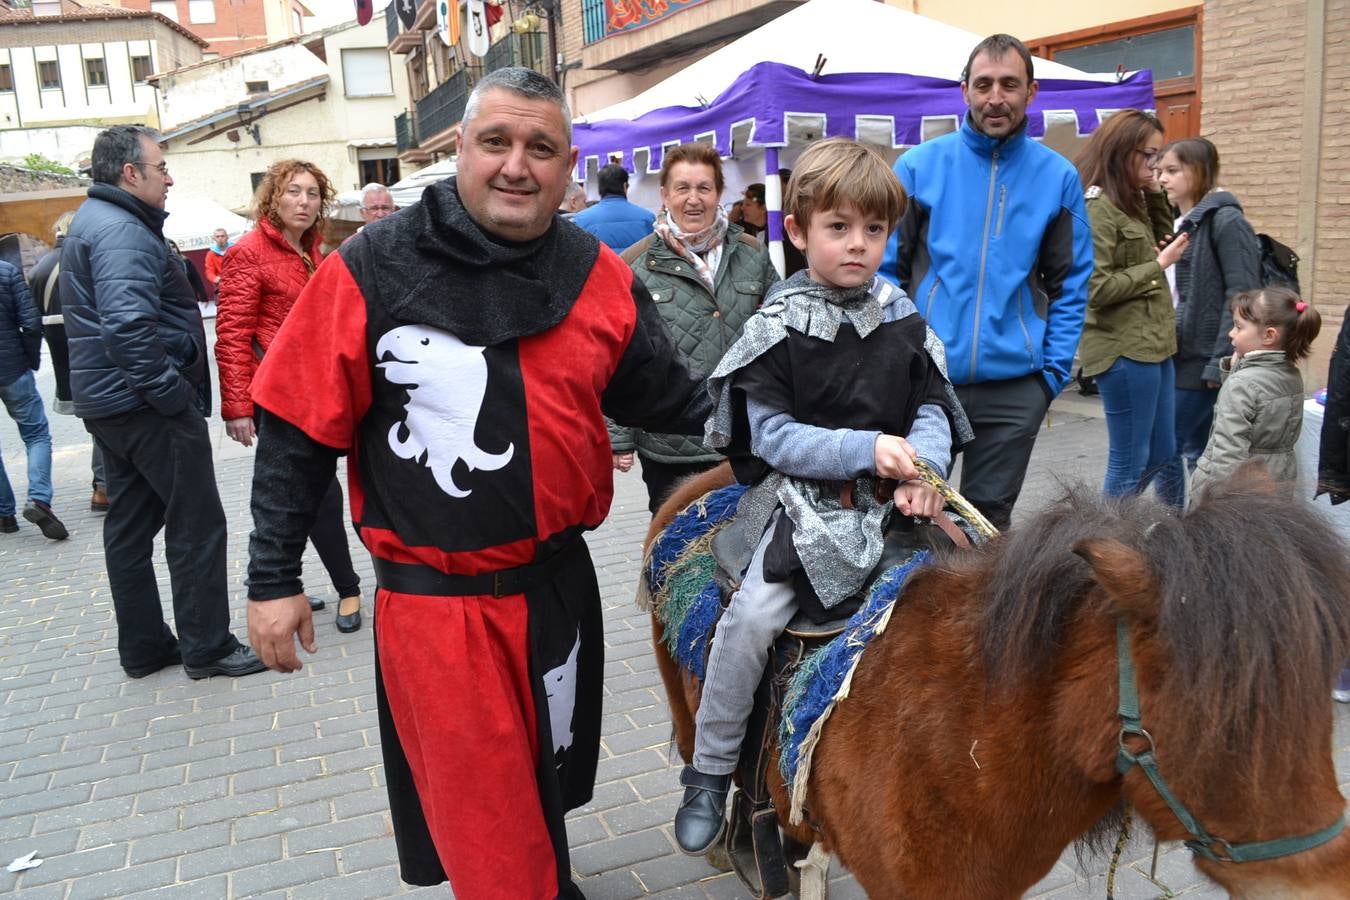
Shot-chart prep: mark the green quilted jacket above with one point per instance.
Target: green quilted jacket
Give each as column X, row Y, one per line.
column 704, row 326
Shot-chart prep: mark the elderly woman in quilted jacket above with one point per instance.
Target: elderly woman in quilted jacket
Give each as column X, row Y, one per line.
column 707, row 277
column 262, row 277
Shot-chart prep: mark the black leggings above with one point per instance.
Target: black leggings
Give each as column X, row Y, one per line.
column 329, row 537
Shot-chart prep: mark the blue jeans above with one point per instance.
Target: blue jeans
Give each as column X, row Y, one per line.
column 1195, row 413
column 24, row 404
column 1139, row 401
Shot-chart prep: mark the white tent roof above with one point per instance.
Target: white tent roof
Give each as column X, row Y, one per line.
column 192, row 218
column 405, row 193
column 852, row 35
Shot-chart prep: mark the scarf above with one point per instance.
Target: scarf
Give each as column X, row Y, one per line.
column 695, row 246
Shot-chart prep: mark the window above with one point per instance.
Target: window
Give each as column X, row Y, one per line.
column 140, row 69
column 365, row 72
column 166, row 8
column 47, row 9
column 49, row 75
column 95, row 73
column 6, row 78
column 382, row 171
column 256, row 87
column 1170, row 54
column 202, row 12
column 256, row 179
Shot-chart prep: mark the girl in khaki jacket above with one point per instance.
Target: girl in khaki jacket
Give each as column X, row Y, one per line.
column 1129, row 334
column 1259, row 413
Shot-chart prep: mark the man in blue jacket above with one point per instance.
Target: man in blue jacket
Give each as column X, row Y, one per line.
column 20, row 349
column 139, row 379
column 996, row 251
column 614, row 220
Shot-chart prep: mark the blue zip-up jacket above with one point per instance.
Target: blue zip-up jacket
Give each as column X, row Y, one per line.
column 996, row 251
column 616, row 222
column 20, row 326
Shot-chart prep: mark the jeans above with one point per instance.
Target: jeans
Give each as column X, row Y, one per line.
column 160, row 476
column 24, row 404
column 1195, row 413
column 1139, row 400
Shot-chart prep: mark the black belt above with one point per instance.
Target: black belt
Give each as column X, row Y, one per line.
column 412, row 578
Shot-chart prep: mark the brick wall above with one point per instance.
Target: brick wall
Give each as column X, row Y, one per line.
column 238, row 26
column 1254, row 64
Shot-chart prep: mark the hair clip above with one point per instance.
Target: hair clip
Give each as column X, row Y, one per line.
column 1300, row 306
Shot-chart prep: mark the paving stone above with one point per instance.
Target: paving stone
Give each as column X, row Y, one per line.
column 230, row 858
column 123, row 883
column 674, row 870
column 308, row 869
column 234, row 807
column 336, row 835
column 355, row 885
column 129, row 828
column 73, row 865
column 641, row 816
column 180, row 842
column 325, row 787
column 368, row 855
column 79, row 815
column 182, row 795
column 356, row 804
column 619, row 852
column 95, row 775
column 275, row 776
column 203, row 889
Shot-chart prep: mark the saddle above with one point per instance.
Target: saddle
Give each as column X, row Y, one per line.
column 754, row 843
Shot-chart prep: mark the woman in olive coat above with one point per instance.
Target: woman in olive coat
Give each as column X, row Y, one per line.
column 1129, row 333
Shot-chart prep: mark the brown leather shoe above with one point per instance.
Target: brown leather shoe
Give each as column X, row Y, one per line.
column 98, row 500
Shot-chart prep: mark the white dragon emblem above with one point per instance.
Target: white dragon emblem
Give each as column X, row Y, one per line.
column 446, row 380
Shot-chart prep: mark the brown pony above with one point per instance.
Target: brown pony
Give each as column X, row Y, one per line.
column 981, row 733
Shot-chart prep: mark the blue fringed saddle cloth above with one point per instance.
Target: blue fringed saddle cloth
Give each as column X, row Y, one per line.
column 687, row 599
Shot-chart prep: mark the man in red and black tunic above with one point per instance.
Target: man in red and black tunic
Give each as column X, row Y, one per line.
column 464, row 353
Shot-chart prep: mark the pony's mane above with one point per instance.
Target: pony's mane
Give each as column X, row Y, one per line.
column 1253, row 600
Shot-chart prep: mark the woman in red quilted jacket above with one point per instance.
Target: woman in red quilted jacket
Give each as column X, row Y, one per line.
column 263, row 275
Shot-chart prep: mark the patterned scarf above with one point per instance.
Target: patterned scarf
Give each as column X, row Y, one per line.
column 703, row 248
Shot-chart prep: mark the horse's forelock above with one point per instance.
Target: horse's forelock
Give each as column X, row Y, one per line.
column 1030, row 581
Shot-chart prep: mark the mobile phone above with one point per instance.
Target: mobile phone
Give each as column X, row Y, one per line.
column 1186, row 227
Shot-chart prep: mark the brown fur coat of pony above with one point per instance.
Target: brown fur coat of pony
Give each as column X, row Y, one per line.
column 980, row 737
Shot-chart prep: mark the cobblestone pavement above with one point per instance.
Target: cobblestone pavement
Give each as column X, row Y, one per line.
column 271, row 786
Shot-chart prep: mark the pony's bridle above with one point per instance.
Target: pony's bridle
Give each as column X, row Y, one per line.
column 1202, row 843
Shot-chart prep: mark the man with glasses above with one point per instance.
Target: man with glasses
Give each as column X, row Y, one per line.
column 139, row 379
column 376, row 203
column 996, row 252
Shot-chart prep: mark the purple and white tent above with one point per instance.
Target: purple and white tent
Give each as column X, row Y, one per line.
column 854, row 68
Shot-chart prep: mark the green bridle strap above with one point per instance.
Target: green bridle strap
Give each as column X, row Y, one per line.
column 1202, row 842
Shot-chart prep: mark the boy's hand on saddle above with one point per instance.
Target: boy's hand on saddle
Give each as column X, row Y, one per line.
column 895, row 458
column 918, row 498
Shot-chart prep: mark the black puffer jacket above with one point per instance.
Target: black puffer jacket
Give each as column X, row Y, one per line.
column 1222, row 260
column 20, row 326
column 135, row 331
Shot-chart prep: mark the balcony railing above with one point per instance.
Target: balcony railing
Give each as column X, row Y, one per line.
column 405, row 131
column 593, row 14
column 519, row 50
column 444, row 106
